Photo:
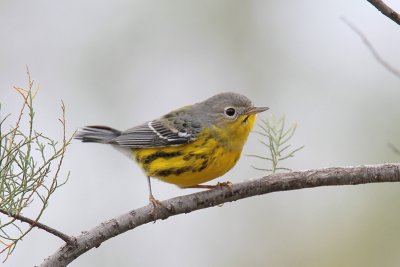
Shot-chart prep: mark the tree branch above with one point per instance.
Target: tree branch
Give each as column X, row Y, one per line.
column 210, row 198
column 386, row 10
column 371, row 48
column 69, row 240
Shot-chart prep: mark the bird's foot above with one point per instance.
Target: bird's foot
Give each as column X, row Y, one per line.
column 227, row 184
column 156, row 204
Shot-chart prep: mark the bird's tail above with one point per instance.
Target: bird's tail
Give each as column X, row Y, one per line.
column 97, row 134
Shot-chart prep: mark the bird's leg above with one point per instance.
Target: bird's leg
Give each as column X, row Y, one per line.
column 152, row 199
column 226, row 184
column 218, row 185
column 201, row 186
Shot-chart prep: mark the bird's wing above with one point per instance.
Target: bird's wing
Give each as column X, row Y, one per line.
column 156, row 134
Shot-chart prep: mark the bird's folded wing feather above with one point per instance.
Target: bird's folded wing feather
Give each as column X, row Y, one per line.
column 155, row 134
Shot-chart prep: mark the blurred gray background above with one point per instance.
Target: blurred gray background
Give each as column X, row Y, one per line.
column 120, row 63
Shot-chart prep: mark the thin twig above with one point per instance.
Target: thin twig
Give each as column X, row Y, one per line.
column 394, row 149
column 210, row 198
column 68, row 239
column 371, row 48
column 23, row 177
column 386, row 10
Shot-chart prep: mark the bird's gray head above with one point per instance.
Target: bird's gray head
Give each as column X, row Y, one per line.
column 226, row 107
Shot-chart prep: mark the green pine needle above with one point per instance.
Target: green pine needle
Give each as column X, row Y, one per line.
column 276, row 139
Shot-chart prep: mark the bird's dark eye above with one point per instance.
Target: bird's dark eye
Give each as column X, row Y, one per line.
column 230, row 112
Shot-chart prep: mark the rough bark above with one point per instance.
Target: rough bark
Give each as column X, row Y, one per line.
column 386, row 10
column 188, row 203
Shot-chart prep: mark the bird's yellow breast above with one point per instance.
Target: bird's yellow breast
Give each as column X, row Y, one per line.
column 212, row 154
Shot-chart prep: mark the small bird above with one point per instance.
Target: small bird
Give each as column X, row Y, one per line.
column 187, row 146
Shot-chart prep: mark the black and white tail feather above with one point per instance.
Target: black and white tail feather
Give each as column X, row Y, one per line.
column 97, row 134
column 147, row 135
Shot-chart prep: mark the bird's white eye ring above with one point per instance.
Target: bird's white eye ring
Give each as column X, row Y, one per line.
column 230, row 112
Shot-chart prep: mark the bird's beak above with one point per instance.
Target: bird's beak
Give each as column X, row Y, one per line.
column 255, row 110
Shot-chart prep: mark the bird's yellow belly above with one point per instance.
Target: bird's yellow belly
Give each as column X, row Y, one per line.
column 187, row 165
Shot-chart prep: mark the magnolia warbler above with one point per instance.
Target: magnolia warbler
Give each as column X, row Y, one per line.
column 187, row 146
